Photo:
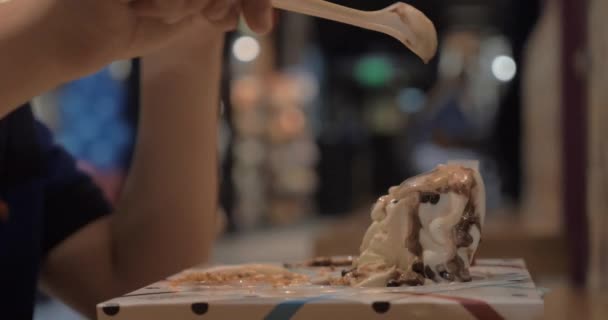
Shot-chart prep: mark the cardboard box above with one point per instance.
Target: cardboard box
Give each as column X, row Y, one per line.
column 502, row 289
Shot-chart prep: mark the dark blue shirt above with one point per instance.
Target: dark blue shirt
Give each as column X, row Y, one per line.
column 44, row 199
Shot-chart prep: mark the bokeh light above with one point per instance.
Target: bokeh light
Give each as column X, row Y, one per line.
column 504, row 68
column 246, row 49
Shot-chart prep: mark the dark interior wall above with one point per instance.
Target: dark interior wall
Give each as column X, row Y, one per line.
column 514, row 18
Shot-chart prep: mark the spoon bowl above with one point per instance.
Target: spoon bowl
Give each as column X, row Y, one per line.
column 401, row 21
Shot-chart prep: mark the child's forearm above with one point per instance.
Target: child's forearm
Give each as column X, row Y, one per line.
column 46, row 42
column 170, row 203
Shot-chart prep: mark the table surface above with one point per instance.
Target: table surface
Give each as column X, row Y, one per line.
column 561, row 302
column 569, row 303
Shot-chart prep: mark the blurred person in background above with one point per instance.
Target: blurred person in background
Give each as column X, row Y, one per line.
column 55, row 225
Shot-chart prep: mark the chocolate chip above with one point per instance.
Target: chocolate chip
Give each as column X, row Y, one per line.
column 434, row 198
column 200, row 308
column 429, row 197
column 418, row 267
column 321, row 262
column 345, row 271
column 446, row 275
column 393, row 283
column 463, row 238
column 452, row 266
column 465, row 276
column 424, row 198
column 381, row 306
column 458, row 268
column 428, row 272
column 414, row 282
column 111, row 309
column 412, row 279
column 413, row 241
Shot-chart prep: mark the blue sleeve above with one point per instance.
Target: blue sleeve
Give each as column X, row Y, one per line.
column 71, row 198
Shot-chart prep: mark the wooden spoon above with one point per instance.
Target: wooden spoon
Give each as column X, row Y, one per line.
column 401, row 21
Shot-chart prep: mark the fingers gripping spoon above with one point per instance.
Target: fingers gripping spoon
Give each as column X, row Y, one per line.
column 401, row 21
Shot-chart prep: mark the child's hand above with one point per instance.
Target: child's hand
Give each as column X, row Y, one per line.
column 85, row 35
column 221, row 13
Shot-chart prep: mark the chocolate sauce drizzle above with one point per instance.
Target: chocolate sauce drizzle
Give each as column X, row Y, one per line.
column 455, row 268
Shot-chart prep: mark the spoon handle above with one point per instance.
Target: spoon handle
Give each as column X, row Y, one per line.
column 325, row 10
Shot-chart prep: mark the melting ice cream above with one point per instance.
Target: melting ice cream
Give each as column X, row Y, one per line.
column 427, row 228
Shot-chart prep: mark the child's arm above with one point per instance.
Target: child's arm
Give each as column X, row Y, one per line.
column 44, row 43
column 26, row 68
column 171, row 201
column 166, row 218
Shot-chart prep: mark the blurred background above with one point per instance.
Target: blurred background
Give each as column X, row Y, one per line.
column 319, row 119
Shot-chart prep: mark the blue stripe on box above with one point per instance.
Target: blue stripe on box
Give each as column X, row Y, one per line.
column 288, row 309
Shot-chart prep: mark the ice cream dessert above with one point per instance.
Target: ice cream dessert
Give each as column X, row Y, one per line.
column 426, row 229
